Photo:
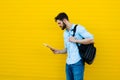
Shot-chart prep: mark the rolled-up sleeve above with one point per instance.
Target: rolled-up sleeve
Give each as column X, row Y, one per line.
column 83, row 32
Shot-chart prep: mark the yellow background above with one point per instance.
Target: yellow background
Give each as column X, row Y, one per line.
column 26, row 24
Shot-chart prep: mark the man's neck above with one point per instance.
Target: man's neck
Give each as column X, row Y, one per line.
column 68, row 26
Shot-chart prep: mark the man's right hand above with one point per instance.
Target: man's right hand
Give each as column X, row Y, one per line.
column 52, row 49
column 55, row 50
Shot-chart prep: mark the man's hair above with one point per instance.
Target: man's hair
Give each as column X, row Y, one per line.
column 61, row 16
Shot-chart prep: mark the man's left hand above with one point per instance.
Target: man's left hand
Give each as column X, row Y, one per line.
column 72, row 39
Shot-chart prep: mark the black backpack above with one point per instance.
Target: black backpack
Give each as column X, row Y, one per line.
column 87, row 52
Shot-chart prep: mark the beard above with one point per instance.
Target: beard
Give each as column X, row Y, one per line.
column 64, row 26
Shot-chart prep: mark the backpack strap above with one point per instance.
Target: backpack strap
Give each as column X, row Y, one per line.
column 74, row 30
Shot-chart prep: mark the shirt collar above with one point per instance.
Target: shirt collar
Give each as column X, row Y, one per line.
column 72, row 27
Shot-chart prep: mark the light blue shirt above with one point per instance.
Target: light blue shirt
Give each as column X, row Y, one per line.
column 73, row 55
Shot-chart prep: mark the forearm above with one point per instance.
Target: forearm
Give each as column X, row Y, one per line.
column 63, row 51
column 85, row 41
column 56, row 51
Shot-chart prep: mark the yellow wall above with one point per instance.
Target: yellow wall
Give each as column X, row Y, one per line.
column 26, row 24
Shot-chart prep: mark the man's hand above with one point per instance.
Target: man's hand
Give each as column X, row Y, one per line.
column 72, row 39
column 52, row 49
column 55, row 50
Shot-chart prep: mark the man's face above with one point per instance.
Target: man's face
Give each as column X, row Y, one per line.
column 61, row 24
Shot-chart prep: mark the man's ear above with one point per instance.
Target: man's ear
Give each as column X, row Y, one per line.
column 64, row 20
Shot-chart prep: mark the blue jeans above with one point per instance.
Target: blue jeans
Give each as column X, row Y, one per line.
column 75, row 71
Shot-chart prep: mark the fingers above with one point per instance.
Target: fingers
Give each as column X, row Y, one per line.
column 48, row 46
column 55, row 51
column 51, row 48
column 72, row 39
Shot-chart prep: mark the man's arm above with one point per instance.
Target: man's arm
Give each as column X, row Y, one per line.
column 83, row 41
column 56, row 51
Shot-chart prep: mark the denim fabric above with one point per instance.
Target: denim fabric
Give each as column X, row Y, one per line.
column 75, row 71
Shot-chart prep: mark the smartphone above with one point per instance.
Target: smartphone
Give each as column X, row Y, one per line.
column 48, row 46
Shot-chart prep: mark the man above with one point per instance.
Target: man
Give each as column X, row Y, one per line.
column 74, row 63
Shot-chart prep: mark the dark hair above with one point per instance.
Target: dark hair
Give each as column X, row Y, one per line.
column 61, row 16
